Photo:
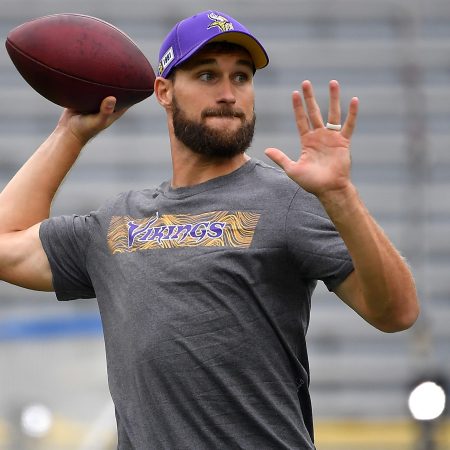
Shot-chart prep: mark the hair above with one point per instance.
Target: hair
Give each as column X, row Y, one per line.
column 216, row 47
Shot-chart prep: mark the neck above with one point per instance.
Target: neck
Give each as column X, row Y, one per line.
column 190, row 169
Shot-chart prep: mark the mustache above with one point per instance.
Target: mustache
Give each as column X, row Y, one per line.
column 223, row 112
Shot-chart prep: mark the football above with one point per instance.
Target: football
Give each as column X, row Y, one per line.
column 76, row 61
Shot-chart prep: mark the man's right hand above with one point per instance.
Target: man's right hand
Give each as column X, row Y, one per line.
column 85, row 126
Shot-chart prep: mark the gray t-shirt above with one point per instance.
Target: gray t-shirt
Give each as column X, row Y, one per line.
column 204, row 294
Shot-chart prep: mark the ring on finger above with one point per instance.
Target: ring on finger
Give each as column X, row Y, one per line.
column 334, row 126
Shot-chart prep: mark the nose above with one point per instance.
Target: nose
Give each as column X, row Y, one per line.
column 226, row 93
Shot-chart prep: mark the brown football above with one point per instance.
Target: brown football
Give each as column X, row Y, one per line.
column 76, row 61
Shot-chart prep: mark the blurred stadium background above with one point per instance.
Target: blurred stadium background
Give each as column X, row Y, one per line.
column 394, row 55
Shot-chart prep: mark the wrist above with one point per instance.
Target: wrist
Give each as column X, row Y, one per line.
column 341, row 203
column 71, row 139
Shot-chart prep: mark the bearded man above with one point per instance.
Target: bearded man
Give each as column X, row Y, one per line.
column 204, row 284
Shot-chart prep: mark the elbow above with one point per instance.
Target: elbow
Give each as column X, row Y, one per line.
column 396, row 321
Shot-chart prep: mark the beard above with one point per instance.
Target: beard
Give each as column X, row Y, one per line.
column 212, row 142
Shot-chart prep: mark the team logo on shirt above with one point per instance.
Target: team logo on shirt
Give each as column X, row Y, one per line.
column 211, row 229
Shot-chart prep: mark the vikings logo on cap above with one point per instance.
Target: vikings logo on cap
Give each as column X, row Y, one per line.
column 220, row 22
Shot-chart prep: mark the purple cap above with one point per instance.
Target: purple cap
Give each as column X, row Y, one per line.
column 191, row 34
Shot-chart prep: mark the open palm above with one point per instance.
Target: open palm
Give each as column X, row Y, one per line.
column 324, row 162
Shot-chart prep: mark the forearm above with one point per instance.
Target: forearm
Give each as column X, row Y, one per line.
column 27, row 198
column 385, row 293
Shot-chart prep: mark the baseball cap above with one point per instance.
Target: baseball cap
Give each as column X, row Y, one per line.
column 189, row 35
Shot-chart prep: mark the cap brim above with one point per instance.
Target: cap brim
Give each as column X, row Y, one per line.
column 247, row 41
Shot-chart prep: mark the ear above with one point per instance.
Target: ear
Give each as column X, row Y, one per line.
column 164, row 92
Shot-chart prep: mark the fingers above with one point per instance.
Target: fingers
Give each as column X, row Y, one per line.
column 310, row 118
column 313, row 117
column 334, row 112
column 350, row 122
column 278, row 157
column 107, row 106
column 311, row 104
column 334, row 108
column 107, row 113
column 300, row 115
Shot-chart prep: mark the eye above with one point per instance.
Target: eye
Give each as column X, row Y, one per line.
column 241, row 78
column 206, row 76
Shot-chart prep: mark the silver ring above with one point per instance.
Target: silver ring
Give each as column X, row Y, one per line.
column 333, row 126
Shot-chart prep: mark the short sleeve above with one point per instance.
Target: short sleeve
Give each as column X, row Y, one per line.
column 313, row 242
column 65, row 240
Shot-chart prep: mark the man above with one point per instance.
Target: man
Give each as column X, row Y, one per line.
column 204, row 284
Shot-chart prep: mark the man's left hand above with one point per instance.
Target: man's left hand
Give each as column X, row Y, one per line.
column 324, row 163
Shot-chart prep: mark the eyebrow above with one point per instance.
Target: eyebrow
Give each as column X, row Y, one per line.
column 207, row 61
